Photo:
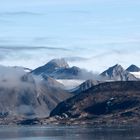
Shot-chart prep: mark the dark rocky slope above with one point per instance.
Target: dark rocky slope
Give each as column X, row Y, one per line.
column 112, row 102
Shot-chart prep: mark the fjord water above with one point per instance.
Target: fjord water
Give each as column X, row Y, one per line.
column 69, row 133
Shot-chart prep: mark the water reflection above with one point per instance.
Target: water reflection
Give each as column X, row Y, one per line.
column 69, row 133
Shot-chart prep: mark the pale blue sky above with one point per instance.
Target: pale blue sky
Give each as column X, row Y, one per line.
column 102, row 32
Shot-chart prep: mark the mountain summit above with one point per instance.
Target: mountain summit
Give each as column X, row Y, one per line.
column 59, row 69
column 58, row 63
column 51, row 66
column 118, row 73
column 133, row 68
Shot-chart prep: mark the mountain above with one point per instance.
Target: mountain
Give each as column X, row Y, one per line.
column 133, row 68
column 59, row 69
column 106, row 103
column 51, row 67
column 85, row 86
column 25, row 95
column 117, row 73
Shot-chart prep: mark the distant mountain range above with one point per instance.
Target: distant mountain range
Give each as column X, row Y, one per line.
column 29, row 94
column 59, row 69
column 117, row 73
column 114, row 73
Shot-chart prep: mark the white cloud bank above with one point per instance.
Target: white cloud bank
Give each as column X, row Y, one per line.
column 93, row 60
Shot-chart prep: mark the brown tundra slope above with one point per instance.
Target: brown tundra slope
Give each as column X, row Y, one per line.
column 106, row 103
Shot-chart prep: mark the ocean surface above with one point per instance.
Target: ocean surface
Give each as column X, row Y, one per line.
column 69, row 133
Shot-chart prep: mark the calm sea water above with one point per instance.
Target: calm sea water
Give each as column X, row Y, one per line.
column 69, row 133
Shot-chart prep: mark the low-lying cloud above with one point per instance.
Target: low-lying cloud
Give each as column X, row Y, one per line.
column 19, row 13
column 96, row 61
